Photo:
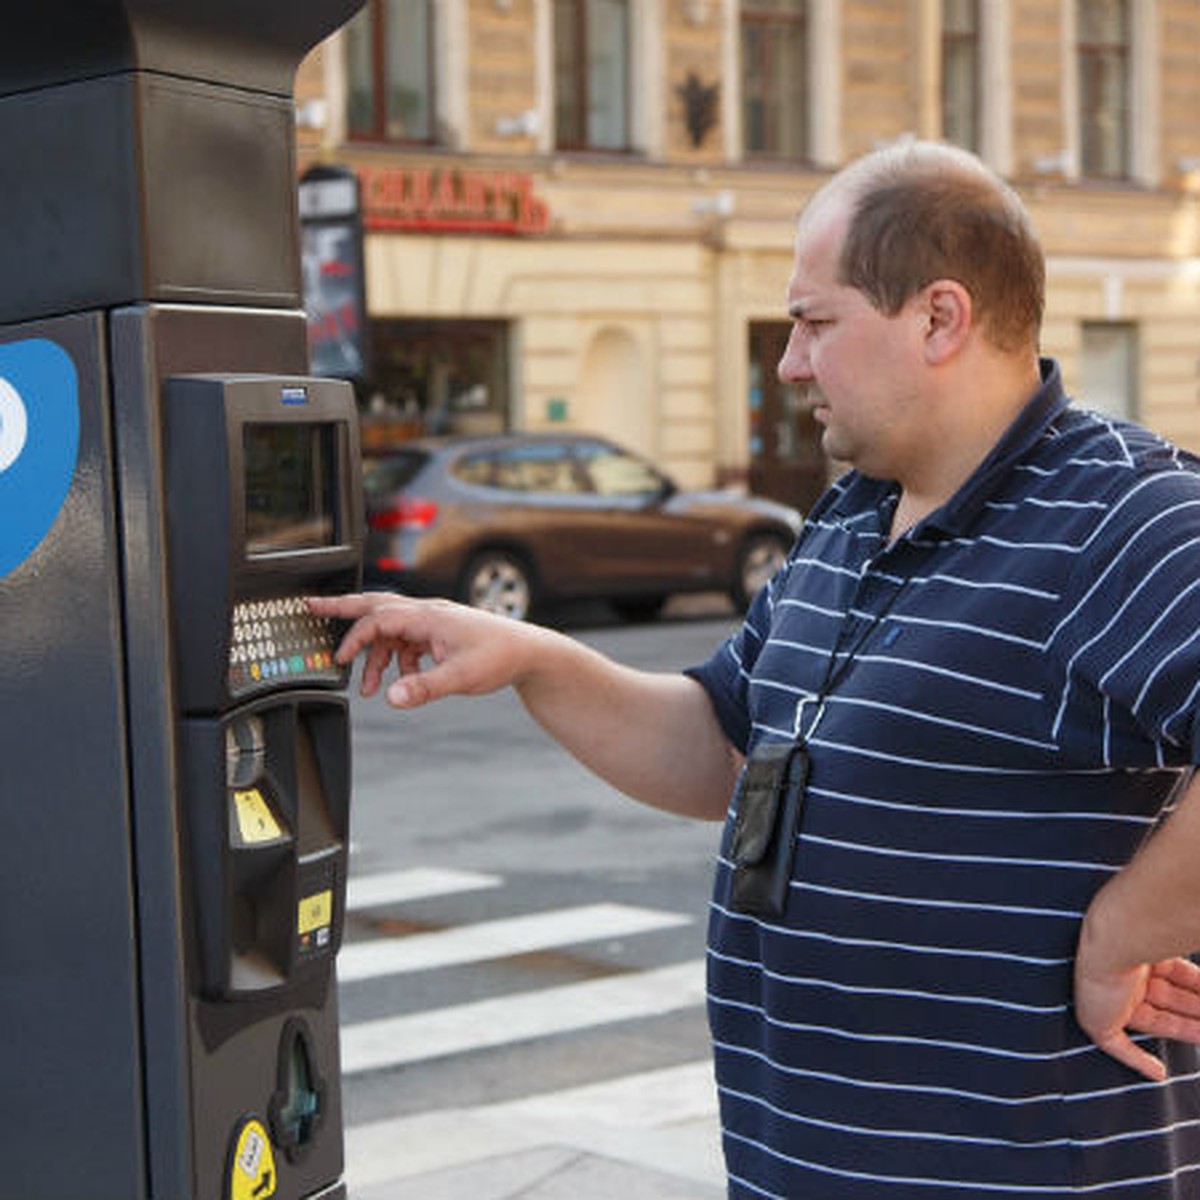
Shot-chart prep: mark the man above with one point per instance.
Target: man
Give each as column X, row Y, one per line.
column 973, row 980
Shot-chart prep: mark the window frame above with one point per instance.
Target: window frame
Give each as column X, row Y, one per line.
column 953, row 42
column 766, row 18
column 1105, row 342
column 376, row 14
column 1091, row 58
column 577, row 141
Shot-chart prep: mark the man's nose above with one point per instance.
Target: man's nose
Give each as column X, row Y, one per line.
column 794, row 366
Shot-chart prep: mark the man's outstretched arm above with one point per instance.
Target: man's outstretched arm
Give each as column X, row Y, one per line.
column 652, row 735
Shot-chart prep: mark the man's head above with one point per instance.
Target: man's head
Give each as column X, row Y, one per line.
column 921, row 211
column 916, row 301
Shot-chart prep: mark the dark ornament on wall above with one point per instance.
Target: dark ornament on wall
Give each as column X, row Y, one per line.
column 699, row 106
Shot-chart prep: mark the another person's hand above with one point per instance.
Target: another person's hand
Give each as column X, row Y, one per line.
column 439, row 648
column 1161, row 999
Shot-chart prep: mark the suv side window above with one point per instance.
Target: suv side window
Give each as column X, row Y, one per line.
column 615, row 473
column 476, row 469
column 541, row 467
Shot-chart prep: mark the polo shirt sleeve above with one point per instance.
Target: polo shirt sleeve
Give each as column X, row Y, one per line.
column 1131, row 630
column 726, row 675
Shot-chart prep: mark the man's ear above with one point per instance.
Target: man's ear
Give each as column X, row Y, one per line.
column 949, row 317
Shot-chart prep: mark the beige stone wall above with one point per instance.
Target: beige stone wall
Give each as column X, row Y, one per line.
column 1179, row 87
column 1036, row 65
column 1165, row 305
column 617, row 330
column 310, row 86
column 501, row 72
column 692, row 46
column 880, row 41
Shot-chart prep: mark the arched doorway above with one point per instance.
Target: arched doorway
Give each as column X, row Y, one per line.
column 613, row 397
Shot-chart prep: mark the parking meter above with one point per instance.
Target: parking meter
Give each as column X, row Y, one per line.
column 175, row 798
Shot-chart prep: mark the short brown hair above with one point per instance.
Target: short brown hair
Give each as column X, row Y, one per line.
column 923, row 211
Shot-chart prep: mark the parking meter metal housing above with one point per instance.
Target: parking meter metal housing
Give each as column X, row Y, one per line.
column 176, row 792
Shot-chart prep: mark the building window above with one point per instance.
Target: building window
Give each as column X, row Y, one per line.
column 960, row 72
column 591, row 74
column 1103, row 44
column 436, row 377
column 1109, row 367
column 774, row 80
column 389, row 72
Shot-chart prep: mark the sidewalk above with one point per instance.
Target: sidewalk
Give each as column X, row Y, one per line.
column 643, row 1137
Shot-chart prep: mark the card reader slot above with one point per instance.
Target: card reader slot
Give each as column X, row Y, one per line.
column 265, row 801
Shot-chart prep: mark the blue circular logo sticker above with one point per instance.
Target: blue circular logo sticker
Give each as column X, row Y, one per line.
column 39, row 443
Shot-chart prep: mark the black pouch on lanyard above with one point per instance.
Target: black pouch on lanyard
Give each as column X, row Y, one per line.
column 769, row 802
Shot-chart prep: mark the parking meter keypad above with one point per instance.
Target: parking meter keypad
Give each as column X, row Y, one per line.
column 280, row 641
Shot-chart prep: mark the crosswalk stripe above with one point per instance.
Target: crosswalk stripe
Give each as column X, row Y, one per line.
column 499, row 939
column 392, row 1041
column 664, row 1119
column 416, row 883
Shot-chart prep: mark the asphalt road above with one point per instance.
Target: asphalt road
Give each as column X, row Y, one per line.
column 473, row 788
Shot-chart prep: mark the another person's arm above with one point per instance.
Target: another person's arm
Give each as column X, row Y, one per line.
column 1131, row 972
column 653, row 736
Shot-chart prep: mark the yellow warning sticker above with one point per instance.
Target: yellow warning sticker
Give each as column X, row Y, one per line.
column 256, row 821
column 316, row 912
column 252, row 1173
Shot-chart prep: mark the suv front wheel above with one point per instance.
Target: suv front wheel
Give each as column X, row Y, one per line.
column 498, row 582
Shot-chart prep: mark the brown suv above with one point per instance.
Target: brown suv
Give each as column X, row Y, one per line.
column 507, row 523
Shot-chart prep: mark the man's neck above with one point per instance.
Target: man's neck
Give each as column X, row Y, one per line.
column 909, row 513
column 955, row 447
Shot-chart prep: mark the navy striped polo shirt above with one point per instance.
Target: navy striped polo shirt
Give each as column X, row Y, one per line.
column 1020, row 707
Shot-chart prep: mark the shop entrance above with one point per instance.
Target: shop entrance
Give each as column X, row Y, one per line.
column 436, row 377
column 786, row 460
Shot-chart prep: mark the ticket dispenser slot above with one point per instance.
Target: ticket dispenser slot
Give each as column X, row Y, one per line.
column 263, row 509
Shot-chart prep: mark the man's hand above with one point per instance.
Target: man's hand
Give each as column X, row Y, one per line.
column 1131, row 969
column 1162, row 999
column 439, row 648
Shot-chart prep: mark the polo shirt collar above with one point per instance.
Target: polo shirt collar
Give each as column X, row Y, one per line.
column 1021, row 436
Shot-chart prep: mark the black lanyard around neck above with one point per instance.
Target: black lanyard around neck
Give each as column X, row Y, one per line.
column 837, row 669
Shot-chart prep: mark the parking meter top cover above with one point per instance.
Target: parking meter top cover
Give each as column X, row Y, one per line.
column 246, row 43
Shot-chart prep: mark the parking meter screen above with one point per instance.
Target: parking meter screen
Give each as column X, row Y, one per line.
column 289, row 495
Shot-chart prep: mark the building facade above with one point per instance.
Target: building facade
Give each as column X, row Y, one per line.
column 579, row 213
